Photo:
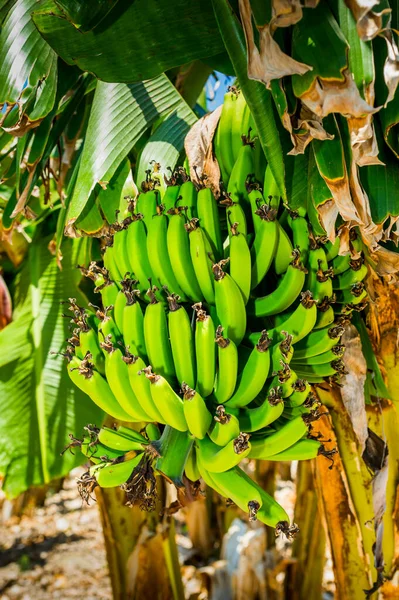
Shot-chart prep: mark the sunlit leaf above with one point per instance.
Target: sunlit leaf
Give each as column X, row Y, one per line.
column 119, row 116
column 38, row 404
column 137, row 40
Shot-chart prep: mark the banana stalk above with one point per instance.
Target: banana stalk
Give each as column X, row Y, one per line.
column 173, row 448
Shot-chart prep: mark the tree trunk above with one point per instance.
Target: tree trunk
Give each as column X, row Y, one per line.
column 141, row 548
column 345, row 502
column 305, row 576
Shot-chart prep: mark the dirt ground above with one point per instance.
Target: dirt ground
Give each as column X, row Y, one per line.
column 57, row 553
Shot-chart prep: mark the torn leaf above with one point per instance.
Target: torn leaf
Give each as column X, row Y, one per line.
column 199, row 151
column 269, row 62
column 363, row 141
column 326, row 97
column 391, row 66
column 369, row 23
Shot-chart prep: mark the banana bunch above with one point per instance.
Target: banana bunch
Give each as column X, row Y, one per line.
column 217, row 317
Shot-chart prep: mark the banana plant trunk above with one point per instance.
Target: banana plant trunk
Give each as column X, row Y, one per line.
column 141, row 549
column 305, row 575
column 345, row 498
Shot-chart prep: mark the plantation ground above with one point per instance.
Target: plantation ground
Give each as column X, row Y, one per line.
column 58, row 552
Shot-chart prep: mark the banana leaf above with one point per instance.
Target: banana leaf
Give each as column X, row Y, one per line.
column 166, row 143
column 136, row 41
column 39, row 406
column 86, row 15
column 27, row 63
column 119, row 116
column 381, row 182
column 318, row 41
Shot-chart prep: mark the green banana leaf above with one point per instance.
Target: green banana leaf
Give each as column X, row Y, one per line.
column 136, row 41
column 39, row 406
column 361, row 61
column 318, row 41
column 167, row 142
column 119, row 116
column 86, row 15
column 381, row 182
column 27, row 63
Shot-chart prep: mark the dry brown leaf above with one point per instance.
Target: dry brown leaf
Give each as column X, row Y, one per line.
column 286, row 13
column 313, row 127
column 325, row 97
column 22, row 126
column 391, row 66
column 368, row 22
column 352, row 390
column 24, row 197
column 269, row 62
column 198, row 147
column 328, row 213
column 340, row 192
column 363, row 141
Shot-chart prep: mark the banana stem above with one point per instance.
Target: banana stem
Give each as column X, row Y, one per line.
column 173, row 448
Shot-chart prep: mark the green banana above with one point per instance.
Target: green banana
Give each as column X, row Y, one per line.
column 119, row 306
column 133, row 325
column 336, row 352
column 236, row 214
column 271, row 190
column 115, row 473
column 301, row 390
column 117, row 374
column 253, row 419
column 196, row 413
column 226, row 376
column 273, row 514
column 181, row 341
column 265, row 243
column 121, row 250
column 89, row 343
column 83, row 375
column 243, row 166
column 300, row 234
column 201, row 257
column 353, row 296
column 287, row 435
column 281, row 352
column 156, row 338
column 147, row 205
column 340, row 264
column 239, row 123
column 312, row 371
column 136, row 243
column 225, row 428
column 332, row 249
column 236, row 485
column 205, row 351
column 319, row 341
column 284, row 250
column 208, row 216
column 299, row 323
column 216, row 459
column 188, row 197
column 303, row 450
column 110, row 262
column 117, row 441
column 253, row 377
column 240, row 262
column 350, row 277
column 230, row 307
column 285, row 294
column 179, row 254
column 191, row 466
column 157, row 250
column 169, row 404
column 222, row 140
column 141, row 386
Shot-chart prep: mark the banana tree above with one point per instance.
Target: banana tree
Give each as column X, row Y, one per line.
column 83, row 128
